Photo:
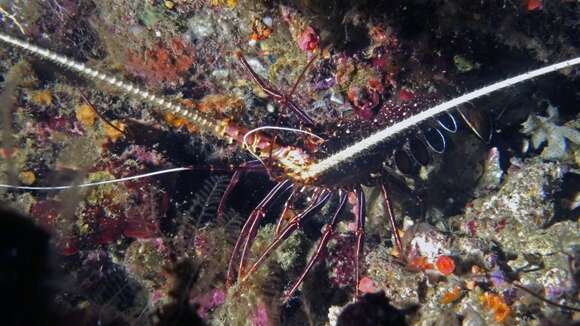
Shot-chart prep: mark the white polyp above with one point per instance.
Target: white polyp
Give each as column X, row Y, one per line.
column 412, row 121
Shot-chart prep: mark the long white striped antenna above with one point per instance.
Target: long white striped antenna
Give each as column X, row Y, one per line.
column 368, row 143
column 198, row 119
column 318, row 168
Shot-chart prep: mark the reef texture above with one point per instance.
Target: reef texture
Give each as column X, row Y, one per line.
column 489, row 229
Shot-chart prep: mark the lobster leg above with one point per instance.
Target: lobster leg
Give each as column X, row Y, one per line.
column 277, row 95
column 319, row 249
column 359, row 234
column 288, row 230
column 248, row 166
column 287, row 100
column 392, row 224
column 253, row 230
column 255, row 216
column 287, row 206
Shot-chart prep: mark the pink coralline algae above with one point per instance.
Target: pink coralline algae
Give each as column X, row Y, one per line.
column 340, row 261
column 106, row 219
column 209, row 301
column 308, row 40
column 367, row 285
column 260, row 317
column 365, row 102
column 46, row 213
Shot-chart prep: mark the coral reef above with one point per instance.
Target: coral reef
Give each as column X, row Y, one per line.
column 545, row 131
column 488, row 225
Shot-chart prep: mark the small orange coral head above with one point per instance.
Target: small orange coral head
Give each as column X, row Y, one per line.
column 445, row 265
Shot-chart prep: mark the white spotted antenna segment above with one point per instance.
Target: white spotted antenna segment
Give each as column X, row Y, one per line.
column 307, row 172
column 368, row 143
column 199, row 120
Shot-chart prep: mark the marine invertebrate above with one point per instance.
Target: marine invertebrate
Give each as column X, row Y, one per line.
column 445, row 265
column 290, row 155
column 545, row 130
column 161, row 64
column 294, row 162
column 451, row 296
column 501, row 311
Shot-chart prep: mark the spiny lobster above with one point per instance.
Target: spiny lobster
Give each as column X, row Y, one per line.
column 297, row 167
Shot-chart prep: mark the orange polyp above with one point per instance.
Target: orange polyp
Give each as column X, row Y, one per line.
column 501, row 313
column 451, row 296
column 445, row 265
column 496, row 304
column 420, row 263
column 112, row 133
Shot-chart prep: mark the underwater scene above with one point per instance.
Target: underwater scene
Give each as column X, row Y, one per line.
column 299, row 162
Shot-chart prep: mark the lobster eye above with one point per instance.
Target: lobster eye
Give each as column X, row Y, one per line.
column 419, row 151
column 448, row 122
column 404, row 163
column 435, row 139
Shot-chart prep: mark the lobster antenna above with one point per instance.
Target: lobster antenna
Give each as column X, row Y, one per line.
column 98, row 183
column 367, row 143
column 198, row 119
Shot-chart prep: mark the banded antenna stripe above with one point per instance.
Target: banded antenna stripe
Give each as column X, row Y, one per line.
column 196, row 118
